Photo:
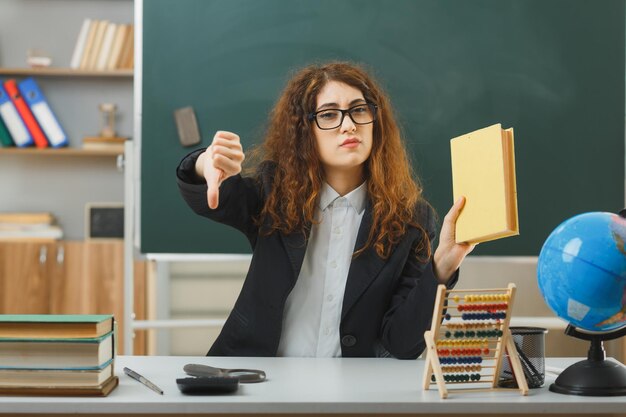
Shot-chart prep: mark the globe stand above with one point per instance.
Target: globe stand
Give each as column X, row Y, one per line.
column 594, row 376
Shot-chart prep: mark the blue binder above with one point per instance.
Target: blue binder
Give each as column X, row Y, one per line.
column 43, row 113
column 12, row 120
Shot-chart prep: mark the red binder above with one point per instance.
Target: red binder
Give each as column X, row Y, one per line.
column 27, row 116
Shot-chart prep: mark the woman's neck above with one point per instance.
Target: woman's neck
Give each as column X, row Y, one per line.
column 344, row 181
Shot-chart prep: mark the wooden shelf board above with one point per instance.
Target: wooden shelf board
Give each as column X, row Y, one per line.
column 59, row 152
column 65, row 72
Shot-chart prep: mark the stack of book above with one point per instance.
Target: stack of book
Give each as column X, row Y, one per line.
column 26, row 119
column 68, row 355
column 29, row 226
column 103, row 46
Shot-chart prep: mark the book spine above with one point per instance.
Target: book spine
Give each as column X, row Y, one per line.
column 94, row 53
column 116, row 49
column 89, row 42
column 126, row 58
column 79, row 49
column 107, row 44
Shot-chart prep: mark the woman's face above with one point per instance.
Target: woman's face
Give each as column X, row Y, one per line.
column 346, row 147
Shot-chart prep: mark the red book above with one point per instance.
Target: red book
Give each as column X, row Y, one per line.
column 27, row 116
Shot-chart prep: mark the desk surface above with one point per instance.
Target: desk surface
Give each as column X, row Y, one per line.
column 297, row 385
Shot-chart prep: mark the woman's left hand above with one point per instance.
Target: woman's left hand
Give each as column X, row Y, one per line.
column 449, row 254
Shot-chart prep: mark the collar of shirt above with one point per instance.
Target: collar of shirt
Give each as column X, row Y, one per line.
column 355, row 198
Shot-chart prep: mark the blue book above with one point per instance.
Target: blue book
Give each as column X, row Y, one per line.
column 12, row 120
column 43, row 113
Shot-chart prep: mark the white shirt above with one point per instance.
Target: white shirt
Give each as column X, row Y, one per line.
column 313, row 308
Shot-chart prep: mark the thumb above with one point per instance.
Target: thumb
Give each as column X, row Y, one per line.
column 213, row 184
column 456, row 209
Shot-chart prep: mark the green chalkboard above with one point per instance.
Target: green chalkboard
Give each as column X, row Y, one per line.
column 552, row 69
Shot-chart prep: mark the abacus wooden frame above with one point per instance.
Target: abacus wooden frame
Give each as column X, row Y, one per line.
column 433, row 364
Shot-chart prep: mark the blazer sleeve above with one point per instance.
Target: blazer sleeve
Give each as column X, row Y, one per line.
column 411, row 308
column 240, row 198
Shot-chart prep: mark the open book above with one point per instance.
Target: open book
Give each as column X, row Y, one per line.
column 483, row 170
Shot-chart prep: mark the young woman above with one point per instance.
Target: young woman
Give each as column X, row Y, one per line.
column 341, row 235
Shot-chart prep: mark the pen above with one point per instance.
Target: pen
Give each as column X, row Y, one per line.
column 134, row 375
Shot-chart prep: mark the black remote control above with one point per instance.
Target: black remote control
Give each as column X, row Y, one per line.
column 207, row 385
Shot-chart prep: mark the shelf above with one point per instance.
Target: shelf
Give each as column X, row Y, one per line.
column 66, row 72
column 59, row 152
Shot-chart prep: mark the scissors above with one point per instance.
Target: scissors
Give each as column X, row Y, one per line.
column 244, row 375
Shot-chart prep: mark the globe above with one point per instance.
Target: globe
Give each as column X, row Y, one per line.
column 582, row 271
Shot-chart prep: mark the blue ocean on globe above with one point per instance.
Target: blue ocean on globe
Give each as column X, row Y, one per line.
column 582, row 271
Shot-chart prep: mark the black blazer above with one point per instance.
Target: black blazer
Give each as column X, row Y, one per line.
column 387, row 305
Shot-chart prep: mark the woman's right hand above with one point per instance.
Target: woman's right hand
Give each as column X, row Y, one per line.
column 220, row 161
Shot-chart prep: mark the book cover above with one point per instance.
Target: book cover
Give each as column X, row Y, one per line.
column 5, row 136
column 27, row 218
column 94, row 53
column 38, row 232
column 43, row 113
column 108, row 147
column 89, row 45
column 29, row 120
column 77, row 391
column 56, row 353
column 107, row 44
column 81, row 41
column 483, row 170
column 14, row 123
column 55, row 325
column 104, row 139
column 55, row 377
column 126, row 57
column 116, row 49
column 130, row 63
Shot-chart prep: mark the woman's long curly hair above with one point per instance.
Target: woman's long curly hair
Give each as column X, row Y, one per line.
column 392, row 188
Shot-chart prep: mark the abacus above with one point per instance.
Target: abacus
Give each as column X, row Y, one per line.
column 467, row 340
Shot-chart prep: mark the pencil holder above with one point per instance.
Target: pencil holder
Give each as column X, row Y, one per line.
column 530, row 345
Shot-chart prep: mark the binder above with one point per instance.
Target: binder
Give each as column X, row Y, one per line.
column 43, row 113
column 27, row 116
column 19, row 133
column 5, row 136
column 483, row 170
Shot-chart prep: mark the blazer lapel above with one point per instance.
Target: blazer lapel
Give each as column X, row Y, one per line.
column 364, row 268
column 295, row 246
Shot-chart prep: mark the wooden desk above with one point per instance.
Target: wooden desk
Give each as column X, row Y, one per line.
column 308, row 386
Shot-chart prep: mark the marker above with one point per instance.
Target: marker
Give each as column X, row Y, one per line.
column 134, row 375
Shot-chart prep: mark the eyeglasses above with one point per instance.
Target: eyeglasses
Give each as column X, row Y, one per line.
column 361, row 114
